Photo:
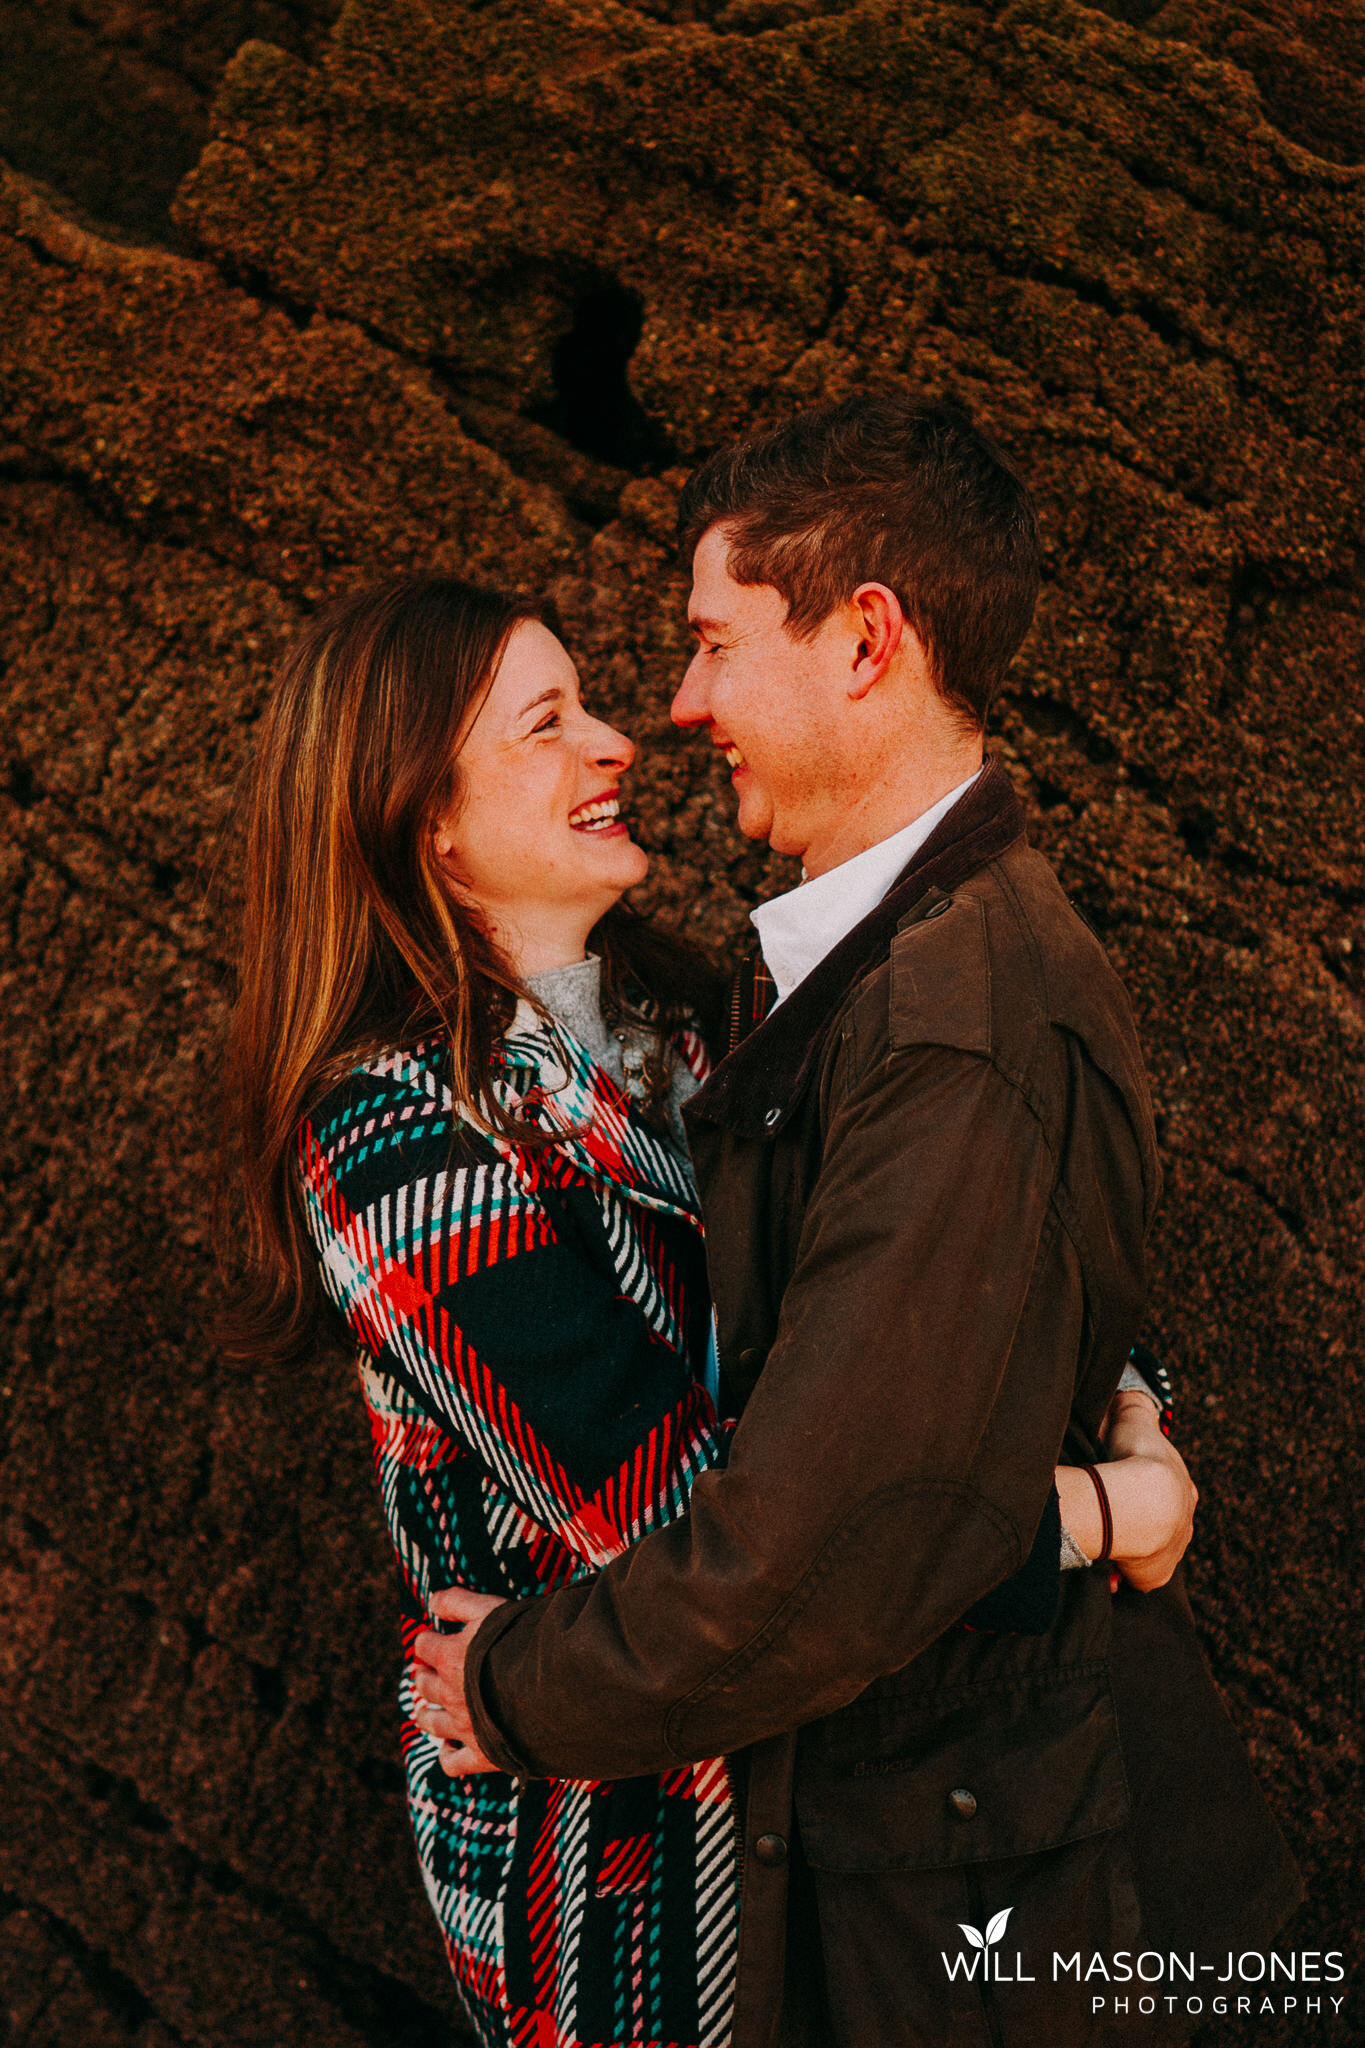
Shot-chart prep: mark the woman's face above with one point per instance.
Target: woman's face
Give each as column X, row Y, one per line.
column 535, row 842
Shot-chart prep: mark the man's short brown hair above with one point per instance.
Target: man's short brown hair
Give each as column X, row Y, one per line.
column 883, row 490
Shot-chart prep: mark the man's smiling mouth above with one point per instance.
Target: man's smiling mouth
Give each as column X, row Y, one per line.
column 598, row 815
column 732, row 755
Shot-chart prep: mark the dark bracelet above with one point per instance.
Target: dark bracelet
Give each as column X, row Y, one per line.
column 1106, row 1516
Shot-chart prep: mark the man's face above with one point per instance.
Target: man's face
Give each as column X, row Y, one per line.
column 776, row 706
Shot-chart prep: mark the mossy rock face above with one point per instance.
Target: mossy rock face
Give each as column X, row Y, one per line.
column 107, row 103
column 474, row 285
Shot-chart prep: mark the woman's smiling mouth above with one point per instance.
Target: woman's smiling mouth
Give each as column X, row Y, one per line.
column 600, row 814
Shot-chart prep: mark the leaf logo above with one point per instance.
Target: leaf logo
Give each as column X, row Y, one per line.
column 995, row 1927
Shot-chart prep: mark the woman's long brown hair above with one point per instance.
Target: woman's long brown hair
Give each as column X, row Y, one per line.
column 350, row 944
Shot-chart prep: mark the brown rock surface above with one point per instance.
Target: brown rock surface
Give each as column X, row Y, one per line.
column 473, row 283
column 108, row 101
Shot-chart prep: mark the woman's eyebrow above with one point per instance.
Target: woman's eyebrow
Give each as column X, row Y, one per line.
column 546, row 697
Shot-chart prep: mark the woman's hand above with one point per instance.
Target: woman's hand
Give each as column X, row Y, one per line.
column 1151, row 1496
column 439, row 1680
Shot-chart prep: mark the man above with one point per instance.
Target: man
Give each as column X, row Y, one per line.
column 928, row 1171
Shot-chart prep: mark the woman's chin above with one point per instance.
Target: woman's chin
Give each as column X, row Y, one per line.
column 641, row 864
column 603, row 869
column 622, row 862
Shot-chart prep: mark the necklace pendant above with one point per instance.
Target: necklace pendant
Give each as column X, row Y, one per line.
column 632, row 1065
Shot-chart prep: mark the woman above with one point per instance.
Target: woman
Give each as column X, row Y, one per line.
column 456, row 1073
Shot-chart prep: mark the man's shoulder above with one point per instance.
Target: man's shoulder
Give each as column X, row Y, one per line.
column 993, row 966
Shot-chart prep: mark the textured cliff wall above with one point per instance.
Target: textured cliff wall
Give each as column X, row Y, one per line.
column 470, row 285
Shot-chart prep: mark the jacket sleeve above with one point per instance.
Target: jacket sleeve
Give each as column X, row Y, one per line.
column 890, row 1468
column 1151, row 1375
column 489, row 1295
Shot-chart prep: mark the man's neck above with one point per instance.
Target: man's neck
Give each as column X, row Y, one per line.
column 889, row 805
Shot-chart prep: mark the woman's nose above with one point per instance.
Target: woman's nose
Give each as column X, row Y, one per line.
column 609, row 748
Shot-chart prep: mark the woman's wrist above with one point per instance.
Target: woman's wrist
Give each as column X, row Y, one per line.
column 1080, row 1508
column 1144, row 1492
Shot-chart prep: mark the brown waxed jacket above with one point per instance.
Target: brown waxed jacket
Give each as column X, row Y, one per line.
column 927, row 1179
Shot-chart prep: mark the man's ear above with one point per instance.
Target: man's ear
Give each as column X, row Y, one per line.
column 879, row 624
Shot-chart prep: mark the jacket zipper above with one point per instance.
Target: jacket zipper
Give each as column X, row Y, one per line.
column 737, row 1827
column 737, row 1823
column 736, row 989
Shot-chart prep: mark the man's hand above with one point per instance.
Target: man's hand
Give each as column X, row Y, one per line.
column 440, row 1680
column 1151, row 1495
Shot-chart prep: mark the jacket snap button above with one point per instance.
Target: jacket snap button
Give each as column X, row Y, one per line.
column 937, row 909
column 773, row 1116
column 771, row 1849
column 748, row 1354
column 962, row 1802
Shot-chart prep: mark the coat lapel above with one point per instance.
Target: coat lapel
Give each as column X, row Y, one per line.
column 756, row 1087
column 551, row 1080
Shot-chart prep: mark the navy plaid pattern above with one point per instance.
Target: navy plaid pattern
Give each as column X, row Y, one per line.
column 531, row 1325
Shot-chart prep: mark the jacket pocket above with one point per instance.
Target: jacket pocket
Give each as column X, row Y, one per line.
column 979, row 1777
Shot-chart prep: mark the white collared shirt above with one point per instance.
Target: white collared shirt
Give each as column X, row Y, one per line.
column 797, row 929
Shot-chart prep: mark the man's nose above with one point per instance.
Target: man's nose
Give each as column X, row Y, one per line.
column 691, row 706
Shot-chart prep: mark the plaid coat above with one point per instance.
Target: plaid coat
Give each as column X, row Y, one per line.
column 532, row 1325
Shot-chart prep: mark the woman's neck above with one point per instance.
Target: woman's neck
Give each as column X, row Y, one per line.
column 537, row 945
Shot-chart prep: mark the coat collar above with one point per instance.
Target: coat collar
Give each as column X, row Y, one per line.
column 549, row 1078
column 756, row 1088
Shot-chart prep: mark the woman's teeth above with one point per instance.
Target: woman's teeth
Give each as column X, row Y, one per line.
column 595, row 817
column 733, row 756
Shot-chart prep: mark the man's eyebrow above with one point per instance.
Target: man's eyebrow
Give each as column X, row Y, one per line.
column 700, row 625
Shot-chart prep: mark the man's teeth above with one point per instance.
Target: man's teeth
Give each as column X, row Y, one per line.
column 595, row 817
column 734, row 757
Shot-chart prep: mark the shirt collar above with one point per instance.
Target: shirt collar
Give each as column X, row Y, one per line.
column 798, row 929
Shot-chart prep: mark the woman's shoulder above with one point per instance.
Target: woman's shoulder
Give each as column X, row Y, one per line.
column 414, row 1075
column 388, row 1115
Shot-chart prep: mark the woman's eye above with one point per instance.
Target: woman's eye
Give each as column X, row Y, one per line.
column 549, row 722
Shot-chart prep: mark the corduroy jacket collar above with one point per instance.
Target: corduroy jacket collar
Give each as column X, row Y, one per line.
column 755, row 1089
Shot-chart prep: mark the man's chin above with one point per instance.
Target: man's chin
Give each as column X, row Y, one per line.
column 755, row 815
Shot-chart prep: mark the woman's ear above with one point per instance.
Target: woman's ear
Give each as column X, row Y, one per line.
column 443, row 828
